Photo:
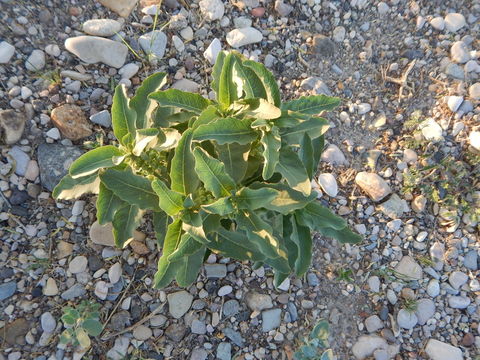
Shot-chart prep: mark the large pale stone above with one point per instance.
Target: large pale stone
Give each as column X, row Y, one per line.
column 101, row 27
column 409, row 268
column 373, row 185
column 102, row 234
column 438, row 350
column 94, row 49
column 121, row 7
column 245, row 36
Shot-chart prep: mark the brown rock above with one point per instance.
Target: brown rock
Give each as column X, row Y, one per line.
column 121, row 7
column 102, row 234
column 468, row 340
column 373, row 185
column 71, row 122
column 64, row 249
column 139, row 247
column 14, row 333
column 258, row 12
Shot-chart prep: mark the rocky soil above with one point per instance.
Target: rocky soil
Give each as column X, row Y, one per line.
column 401, row 164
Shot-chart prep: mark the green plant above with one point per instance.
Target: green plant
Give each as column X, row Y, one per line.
column 81, row 323
column 315, row 347
column 410, row 305
column 230, row 176
column 345, row 274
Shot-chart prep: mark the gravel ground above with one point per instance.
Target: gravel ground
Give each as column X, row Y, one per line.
column 403, row 153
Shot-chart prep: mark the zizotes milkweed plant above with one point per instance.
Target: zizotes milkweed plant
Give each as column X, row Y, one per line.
column 231, row 176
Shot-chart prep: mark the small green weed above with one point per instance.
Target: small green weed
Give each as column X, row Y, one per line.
column 315, row 347
column 410, row 305
column 345, row 275
column 81, row 323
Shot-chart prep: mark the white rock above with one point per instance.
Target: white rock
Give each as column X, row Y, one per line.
column 373, row 185
column 128, row 70
column 433, row 288
column 339, row 34
column 431, row 130
column 94, row 49
column 178, row 43
column 53, row 50
column 241, row 37
column 457, row 279
column 212, row 9
column 119, row 349
column 472, row 66
column 438, row 23
column 78, row 264
column 48, row 322
column 367, row 344
column 187, row 33
column 225, row 290
column 364, row 108
column 50, row 288
column 115, row 272
column 425, row 310
column 409, row 268
column 101, row 290
column 21, row 160
column 102, row 234
column 102, row 118
column 474, row 139
column 212, row 51
column 333, row 155
column 25, row 92
column 179, row 303
column 406, row 319
column 154, row 43
column 374, row 284
column 459, row 52
column 101, row 27
column 373, row 323
column 285, row 285
column 458, row 302
column 383, row 8
column 282, row 8
column 6, row 52
column 454, row 22
column 186, row 85
column 53, row 133
column 329, row 184
column 454, row 102
column 36, row 61
column 151, row 10
column 437, row 350
column 474, row 91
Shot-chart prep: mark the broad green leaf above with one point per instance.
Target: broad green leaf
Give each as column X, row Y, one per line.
column 65, row 337
column 292, row 169
column 210, row 222
column 228, row 130
column 287, row 199
column 212, row 173
column 182, row 174
column 312, row 105
column 144, row 137
column 317, row 144
column 227, row 89
column 268, row 80
column 133, row 189
column 234, row 244
column 180, row 117
column 234, row 156
column 260, row 109
column 170, row 201
column 190, row 266
column 107, row 204
column 327, row 355
column 166, row 270
column 262, row 233
column 306, row 154
column 253, row 199
column 172, row 137
column 181, row 99
column 93, row 160
column 186, row 247
column 83, row 338
column 222, row 206
column 271, row 152
column 142, row 105
column 279, row 278
column 68, row 320
column 320, row 331
column 217, row 71
column 343, row 236
column 69, row 188
column 160, row 225
column 302, row 240
column 161, row 116
column 125, row 221
column 314, row 127
column 92, row 327
column 123, row 115
column 208, row 115
column 317, row 217
column 251, row 84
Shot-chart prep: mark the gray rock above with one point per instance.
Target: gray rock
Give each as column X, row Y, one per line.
column 102, row 118
column 198, row 327
column 73, row 292
column 245, row 36
column 12, row 124
column 121, row 7
column 224, row 351
column 7, row 290
column 457, row 279
column 115, row 291
column 283, row 9
column 394, row 207
column 142, row 333
column 323, row 46
column 36, row 61
column 409, row 268
column 374, row 283
column 437, row 350
column 21, row 160
column 176, row 332
column 459, row 52
column 179, row 303
column 234, row 336
column 406, row 319
column 454, row 102
column 292, row 311
column 333, row 155
column 78, row 264
column 231, row 308
column 381, row 354
column 470, row 260
column 154, row 43
column 458, row 302
column 6, row 52
column 212, row 9
column 373, row 323
column 455, row 71
column 215, row 271
column 373, row 185
column 454, row 22
column 120, row 320
column 312, row 279
column 258, row 302
column 119, row 349
column 94, row 49
column 48, row 322
column 433, row 288
column 425, row 310
column 367, row 344
column 54, row 161
column 271, row 319
column 101, row 27
column 158, row 320
column 474, row 91
column 339, row 34
column 199, row 354
column 128, row 70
